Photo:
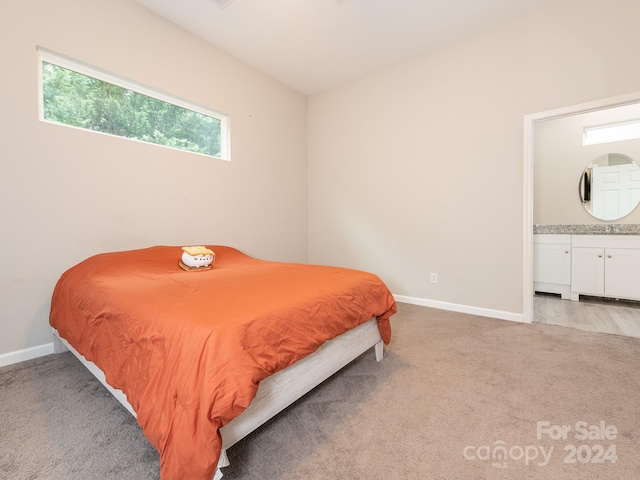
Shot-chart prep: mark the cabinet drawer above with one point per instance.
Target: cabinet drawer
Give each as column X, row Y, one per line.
column 606, row 241
column 552, row 238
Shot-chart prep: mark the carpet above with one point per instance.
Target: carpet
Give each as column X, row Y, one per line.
column 457, row 396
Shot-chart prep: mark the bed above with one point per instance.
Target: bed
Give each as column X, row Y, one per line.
column 185, row 351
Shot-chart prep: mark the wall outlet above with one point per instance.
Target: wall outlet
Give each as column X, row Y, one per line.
column 434, row 278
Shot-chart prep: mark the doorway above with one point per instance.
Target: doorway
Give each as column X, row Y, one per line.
column 571, row 314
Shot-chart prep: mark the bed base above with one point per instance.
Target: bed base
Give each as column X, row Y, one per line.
column 276, row 392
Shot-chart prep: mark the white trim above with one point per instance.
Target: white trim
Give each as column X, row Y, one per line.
column 529, row 121
column 26, row 354
column 69, row 63
column 527, row 223
column 454, row 307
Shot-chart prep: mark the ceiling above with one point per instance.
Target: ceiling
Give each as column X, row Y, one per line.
column 314, row 45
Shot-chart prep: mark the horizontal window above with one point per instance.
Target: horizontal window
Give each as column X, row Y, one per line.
column 614, row 132
column 77, row 95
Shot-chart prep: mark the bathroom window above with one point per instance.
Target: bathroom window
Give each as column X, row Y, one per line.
column 77, row 95
column 613, row 132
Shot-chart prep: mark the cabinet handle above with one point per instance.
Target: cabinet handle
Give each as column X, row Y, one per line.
column 566, row 251
column 600, row 256
column 608, row 256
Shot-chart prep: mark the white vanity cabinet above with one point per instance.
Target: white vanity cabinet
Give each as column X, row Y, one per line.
column 605, row 265
column 552, row 264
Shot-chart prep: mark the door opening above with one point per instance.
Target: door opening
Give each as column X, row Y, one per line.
column 529, row 162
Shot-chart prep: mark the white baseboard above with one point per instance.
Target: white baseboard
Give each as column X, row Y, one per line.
column 453, row 307
column 26, row 354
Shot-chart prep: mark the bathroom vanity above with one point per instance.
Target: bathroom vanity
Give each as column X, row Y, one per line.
column 594, row 260
column 600, row 259
column 606, row 266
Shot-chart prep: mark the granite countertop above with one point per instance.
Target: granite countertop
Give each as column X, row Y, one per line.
column 595, row 229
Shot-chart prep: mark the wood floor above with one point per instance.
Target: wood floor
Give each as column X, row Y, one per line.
column 590, row 313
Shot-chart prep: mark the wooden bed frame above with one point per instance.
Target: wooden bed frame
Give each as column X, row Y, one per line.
column 277, row 391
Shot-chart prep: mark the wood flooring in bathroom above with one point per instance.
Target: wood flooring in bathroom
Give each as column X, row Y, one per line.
column 590, row 313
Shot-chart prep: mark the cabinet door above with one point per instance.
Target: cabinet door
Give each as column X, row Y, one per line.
column 622, row 273
column 587, row 270
column 552, row 263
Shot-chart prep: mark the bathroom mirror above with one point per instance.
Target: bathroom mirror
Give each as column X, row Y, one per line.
column 610, row 186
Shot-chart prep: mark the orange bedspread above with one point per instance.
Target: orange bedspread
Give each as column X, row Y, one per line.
column 189, row 348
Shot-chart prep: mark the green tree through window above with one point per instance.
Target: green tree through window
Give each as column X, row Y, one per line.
column 79, row 100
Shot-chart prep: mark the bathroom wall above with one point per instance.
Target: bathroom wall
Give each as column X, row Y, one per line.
column 560, row 159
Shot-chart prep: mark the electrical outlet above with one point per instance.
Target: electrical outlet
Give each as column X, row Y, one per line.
column 434, row 278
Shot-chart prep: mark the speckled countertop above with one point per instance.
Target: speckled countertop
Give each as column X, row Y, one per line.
column 595, row 229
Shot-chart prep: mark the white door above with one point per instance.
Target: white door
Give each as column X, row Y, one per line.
column 615, row 190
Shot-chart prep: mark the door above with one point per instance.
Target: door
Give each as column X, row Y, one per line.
column 615, row 190
column 622, row 273
column 587, row 271
column 552, row 263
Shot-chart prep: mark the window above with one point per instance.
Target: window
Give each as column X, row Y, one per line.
column 78, row 95
column 613, row 132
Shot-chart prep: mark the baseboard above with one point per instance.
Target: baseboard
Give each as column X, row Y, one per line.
column 26, row 354
column 453, row 307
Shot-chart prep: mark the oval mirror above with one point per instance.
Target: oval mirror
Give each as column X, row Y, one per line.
column 610, row 186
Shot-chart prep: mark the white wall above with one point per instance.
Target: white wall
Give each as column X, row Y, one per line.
column 66, row 194
column 560, row 159
column 418, row 168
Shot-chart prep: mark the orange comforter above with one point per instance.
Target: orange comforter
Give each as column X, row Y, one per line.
column 189, row 348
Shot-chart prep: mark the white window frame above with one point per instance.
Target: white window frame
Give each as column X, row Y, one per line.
column 45, row 55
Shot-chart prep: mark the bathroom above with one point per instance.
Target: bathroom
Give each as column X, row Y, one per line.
column 586, row 232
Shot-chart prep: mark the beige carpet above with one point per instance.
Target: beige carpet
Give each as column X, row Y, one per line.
column 451, row 381
column 453, row 391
